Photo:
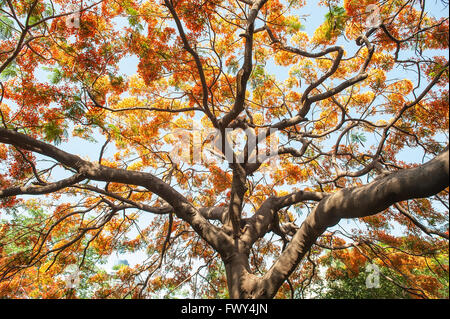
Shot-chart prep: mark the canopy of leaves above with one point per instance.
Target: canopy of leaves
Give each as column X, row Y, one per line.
column 114, row 82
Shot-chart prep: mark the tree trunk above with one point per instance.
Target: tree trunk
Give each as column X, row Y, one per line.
column 242, row 284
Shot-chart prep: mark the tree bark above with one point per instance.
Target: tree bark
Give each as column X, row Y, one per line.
column 355, row 202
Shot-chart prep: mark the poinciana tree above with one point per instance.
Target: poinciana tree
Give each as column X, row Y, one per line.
column 350, row 122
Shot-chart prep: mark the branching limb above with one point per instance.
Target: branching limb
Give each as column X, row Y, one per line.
column 419, row 182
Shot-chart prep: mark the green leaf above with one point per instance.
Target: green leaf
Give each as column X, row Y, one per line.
column 294, row 24
column 56, row 76
column 358, row 137
column 9, row 72
column 34, row 19
column 133, row 19
column 54, row 133
column 258, row 76
column 6, row 27
column 335, row 19
column 233, row 66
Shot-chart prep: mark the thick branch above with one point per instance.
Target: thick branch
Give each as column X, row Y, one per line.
column 238, row 190
column 163, row 210
column 40, row 190
column 261, row 222
column 183, row 209
column 215, row 213
column 244, row 73
column 419, row 182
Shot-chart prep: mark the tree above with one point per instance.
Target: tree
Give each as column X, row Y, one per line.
column 245, row 137
column 351, row 274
